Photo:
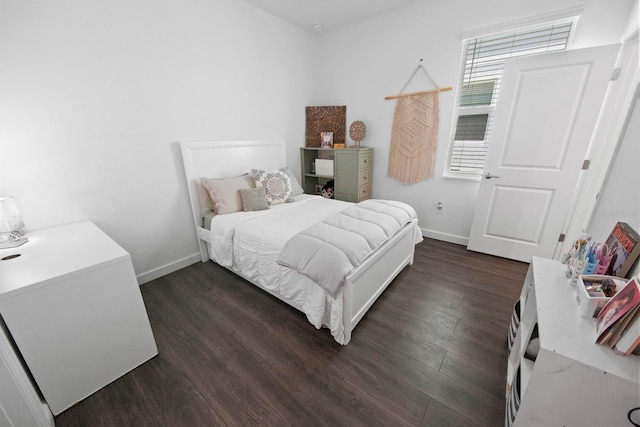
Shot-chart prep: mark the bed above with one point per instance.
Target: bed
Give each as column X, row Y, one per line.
column 253, row 244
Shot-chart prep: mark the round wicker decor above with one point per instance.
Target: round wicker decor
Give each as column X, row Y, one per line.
column 357, row 131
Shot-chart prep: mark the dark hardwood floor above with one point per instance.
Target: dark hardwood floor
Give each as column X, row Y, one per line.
column 430, row 352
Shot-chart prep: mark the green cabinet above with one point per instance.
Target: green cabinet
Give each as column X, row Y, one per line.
column 351, row 172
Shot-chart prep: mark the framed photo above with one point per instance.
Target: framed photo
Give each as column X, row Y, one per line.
column 326, row 139
column 318, row 188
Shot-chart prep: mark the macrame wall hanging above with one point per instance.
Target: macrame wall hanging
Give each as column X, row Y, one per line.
column 414, row 135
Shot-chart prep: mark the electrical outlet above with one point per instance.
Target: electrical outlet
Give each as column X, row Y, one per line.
column 439, row 207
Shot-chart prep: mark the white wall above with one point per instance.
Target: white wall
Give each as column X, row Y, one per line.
column 95, row 95
column 619, row 200
column 367, row 61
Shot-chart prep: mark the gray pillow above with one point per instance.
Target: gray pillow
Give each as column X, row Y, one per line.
column 254, row 199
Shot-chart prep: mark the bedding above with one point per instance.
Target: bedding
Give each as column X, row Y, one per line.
column 343, row 240
column 207, row 219
column 250, row 243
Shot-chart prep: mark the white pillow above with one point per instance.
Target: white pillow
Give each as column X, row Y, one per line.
column 296, row 189
column 224, row 194
column 277, row 185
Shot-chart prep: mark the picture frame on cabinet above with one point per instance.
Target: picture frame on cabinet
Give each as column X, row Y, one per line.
column 326, row 139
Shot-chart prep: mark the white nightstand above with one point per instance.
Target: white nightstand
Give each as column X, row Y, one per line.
column 72, row 304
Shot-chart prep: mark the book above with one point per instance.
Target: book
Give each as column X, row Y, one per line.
column 621, row 327
column 618, row 313
column 622, row 249
column 629, row 342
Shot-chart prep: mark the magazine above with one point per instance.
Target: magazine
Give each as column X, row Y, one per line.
column 624, row 303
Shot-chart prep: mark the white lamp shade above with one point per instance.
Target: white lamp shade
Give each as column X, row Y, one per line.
column 10, row 219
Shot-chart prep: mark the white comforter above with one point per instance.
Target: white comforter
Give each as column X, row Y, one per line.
column 249, row 243
column 344, row 240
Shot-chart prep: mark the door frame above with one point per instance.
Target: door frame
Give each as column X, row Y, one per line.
column 607, row 135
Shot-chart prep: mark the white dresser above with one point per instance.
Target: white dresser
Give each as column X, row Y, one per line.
column 73, row 306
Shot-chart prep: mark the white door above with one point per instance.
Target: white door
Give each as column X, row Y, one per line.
column 544, row 119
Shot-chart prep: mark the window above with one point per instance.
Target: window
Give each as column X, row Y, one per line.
column 483, row 60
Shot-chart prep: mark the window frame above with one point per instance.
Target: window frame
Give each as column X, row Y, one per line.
column 570, row 16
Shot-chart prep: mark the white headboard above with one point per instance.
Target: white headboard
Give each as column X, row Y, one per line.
column 224, row 159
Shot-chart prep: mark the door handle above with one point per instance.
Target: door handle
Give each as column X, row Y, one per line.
column 489, row 176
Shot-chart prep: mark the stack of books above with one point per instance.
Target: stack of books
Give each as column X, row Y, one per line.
column 618, row 323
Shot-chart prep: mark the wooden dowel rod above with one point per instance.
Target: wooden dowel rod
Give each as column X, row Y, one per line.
column 402, row 95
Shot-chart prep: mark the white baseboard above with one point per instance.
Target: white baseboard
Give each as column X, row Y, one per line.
column 168, row 268
column 451, row 238
column 194, row 258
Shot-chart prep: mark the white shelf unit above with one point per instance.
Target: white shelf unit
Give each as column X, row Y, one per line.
column 570, row 380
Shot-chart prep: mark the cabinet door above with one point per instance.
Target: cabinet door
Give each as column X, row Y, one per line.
column 82, row 332
column 20, row 404
column 346, row 171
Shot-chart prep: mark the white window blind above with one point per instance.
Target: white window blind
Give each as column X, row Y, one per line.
column 479, row 86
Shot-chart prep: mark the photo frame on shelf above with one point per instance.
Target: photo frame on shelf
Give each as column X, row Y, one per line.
column 326, row 139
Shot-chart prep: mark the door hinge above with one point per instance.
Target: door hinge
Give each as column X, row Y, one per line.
column 561, row 238
column 586, row 164
column 615, row 74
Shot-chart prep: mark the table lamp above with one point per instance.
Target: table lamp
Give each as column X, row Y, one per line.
column 11, row 225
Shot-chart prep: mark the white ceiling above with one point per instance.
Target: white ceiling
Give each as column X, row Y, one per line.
column 329, row 14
